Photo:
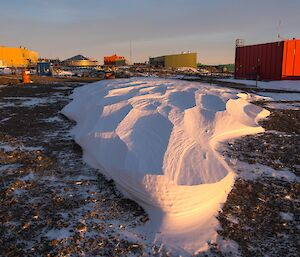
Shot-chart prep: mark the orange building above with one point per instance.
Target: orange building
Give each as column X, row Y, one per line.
column 115, row 60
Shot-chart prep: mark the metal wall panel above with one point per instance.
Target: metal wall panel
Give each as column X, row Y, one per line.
column 291, row 60
column 297, row 59
column 157, row 61
column 263, row 61
column 271, row 61
column 181, row 60
column 17, row 57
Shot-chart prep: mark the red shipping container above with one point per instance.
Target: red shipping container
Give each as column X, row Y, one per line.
column 270, row 61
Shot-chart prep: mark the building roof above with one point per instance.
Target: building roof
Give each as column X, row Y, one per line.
column 78, row 57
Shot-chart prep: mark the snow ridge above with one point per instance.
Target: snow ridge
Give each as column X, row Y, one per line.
column 157, row 140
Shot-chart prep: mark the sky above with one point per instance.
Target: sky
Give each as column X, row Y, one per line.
column 97, row 28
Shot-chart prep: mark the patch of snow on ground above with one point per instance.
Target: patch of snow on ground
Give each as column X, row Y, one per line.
column 229, row 247
column 290, row 85
column 157, row 139
column 281, row 96
column 58, row 233
column 254, row 171
column 188, row 69
column 6, row 148
column 5, row 167
column 53, row 119
column 283, row 106
column 9, row 148
column 25, row 101
column 5, row 119
column 30, row 176
column 287, row 216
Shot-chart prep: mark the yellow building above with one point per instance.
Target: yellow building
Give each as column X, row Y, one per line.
column 175, row 60
column 17, row 57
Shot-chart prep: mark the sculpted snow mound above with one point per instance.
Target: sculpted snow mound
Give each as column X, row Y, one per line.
column 157, row 140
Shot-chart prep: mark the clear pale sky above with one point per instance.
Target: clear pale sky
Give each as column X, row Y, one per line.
column 95, row 28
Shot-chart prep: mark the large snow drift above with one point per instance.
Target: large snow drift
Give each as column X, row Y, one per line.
column 157, row 140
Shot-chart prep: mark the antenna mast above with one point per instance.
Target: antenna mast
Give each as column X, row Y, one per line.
column 279, row 30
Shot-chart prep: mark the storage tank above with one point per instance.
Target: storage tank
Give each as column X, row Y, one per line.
column 80, row 61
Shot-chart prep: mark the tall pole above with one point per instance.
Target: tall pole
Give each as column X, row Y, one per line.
column 279, row 30
column 130, row 43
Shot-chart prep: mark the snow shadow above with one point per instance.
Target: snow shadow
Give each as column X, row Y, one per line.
column 150, row 138
column 182, row 99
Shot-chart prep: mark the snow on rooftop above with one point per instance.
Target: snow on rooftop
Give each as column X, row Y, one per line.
column 157, row 139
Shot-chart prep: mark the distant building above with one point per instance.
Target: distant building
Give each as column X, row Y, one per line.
column 220, row 68
column 140, row 64
column 175, row 60
column 80, row 61
column 55, row 63
column 226, row 68
column 270, row 61
column 44, row 69
column 114, row 60
column 157, row 61
column 17, row 57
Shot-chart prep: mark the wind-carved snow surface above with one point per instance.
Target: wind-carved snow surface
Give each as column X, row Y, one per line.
column 157, row 140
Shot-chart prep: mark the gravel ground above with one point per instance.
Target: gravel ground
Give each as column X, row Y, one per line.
column 52, row 204
column 263, row 215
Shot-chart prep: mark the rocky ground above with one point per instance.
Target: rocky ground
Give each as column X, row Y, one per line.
column 52, row 204
column 262, row 213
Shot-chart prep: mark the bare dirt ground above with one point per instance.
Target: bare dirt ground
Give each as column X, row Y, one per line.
column 52, row 204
